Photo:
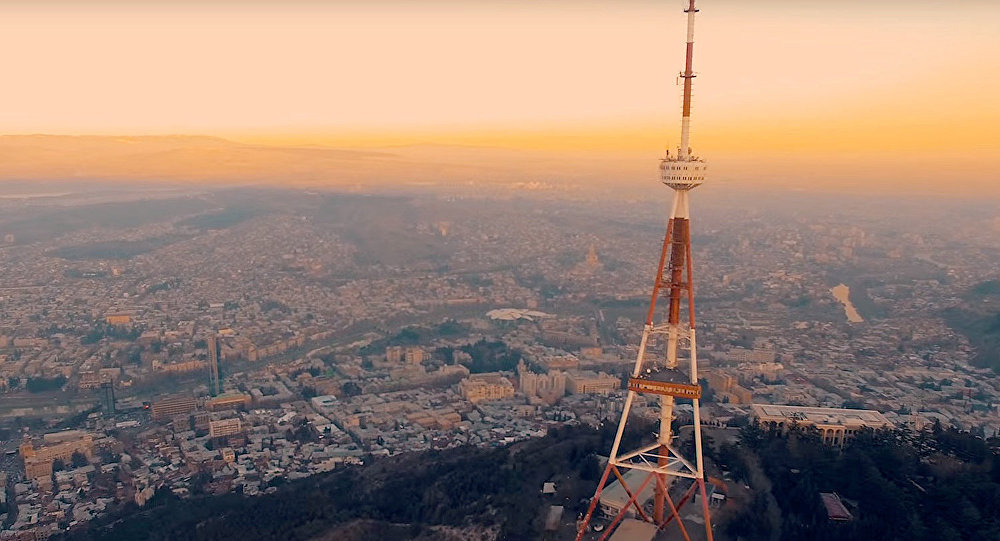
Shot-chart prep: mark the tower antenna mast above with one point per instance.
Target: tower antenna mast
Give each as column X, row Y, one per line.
column 688, row 77
column 656, row 467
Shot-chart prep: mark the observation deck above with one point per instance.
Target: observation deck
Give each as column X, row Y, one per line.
column 682, row 173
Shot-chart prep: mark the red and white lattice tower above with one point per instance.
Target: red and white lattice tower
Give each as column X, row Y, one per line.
column 660, row 372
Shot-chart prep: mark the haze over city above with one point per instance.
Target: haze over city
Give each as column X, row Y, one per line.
column 483, row 271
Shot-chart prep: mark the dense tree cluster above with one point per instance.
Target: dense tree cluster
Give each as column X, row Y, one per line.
column 103, row 330
column 937, row 484
column 416, row 335
column 41, row 385
column 491, row 356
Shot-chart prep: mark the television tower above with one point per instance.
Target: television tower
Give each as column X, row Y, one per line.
column 660, row 373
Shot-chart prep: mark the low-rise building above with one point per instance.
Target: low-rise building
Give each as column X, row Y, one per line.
column 491, row 386
column 59, row 446
column 224, row 427
column 589, row 382
column 834, row 424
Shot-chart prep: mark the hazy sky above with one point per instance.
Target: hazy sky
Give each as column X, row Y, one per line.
column 902, row 77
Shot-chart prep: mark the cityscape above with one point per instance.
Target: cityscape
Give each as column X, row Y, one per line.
column 355, row 352
column 492, row 336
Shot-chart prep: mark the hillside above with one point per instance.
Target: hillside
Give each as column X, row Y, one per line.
column 978, row 318
column 932, row 485
column 479, row 493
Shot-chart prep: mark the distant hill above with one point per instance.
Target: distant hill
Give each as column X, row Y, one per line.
column 186, row 159
column 983, row 332
column 978, row 318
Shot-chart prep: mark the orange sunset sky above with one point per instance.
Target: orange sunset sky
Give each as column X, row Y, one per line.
column 885, row 88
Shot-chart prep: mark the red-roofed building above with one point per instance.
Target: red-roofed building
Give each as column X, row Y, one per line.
column 835, row 510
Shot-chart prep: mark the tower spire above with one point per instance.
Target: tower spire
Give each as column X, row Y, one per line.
column 688, row 76
column 673, row 374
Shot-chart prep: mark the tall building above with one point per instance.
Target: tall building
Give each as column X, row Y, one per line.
column 394, row 354
column 169, row 407
column 592, row 260
column 666, row 366
column 108, row 398
column 549, row 387
column 214, row 373
column 414, row 355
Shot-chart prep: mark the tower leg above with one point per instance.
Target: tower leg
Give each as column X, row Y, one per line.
column 704, row 509
column 673, row 510
column 593, row 502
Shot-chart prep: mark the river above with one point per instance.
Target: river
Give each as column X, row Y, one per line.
column 843, row 294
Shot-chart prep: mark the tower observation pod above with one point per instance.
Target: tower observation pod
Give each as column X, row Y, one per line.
column 666, row 367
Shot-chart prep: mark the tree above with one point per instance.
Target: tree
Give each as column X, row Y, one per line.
column 40, row 385
column 590, row 468
column 350, row 388
column 79, row 459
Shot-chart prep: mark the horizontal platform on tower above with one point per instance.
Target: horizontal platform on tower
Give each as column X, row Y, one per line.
column 665, row 381
column 651, row 459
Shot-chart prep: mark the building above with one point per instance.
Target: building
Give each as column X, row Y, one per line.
column 228, row 401
column 614, row 496
column 549, row 387
column 554, row 518
column 118, row 319
column 834, row 424
column 394, row 354
column 742, row 355
column 200, row 419
column 58, row 446
column 718, row 381
column 178, row 367
column 481, row 387
column 108, row 398
column 737, row 394
column 835, row 509
column 225, row 427
column 90, row 379
column 634, row 530
column 172, row 406
column 566, row 362
column 589, row 382
column 214, row 374
column 769, row 372
column 414, row 355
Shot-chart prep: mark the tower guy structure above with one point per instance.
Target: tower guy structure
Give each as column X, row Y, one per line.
column 666, row 367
